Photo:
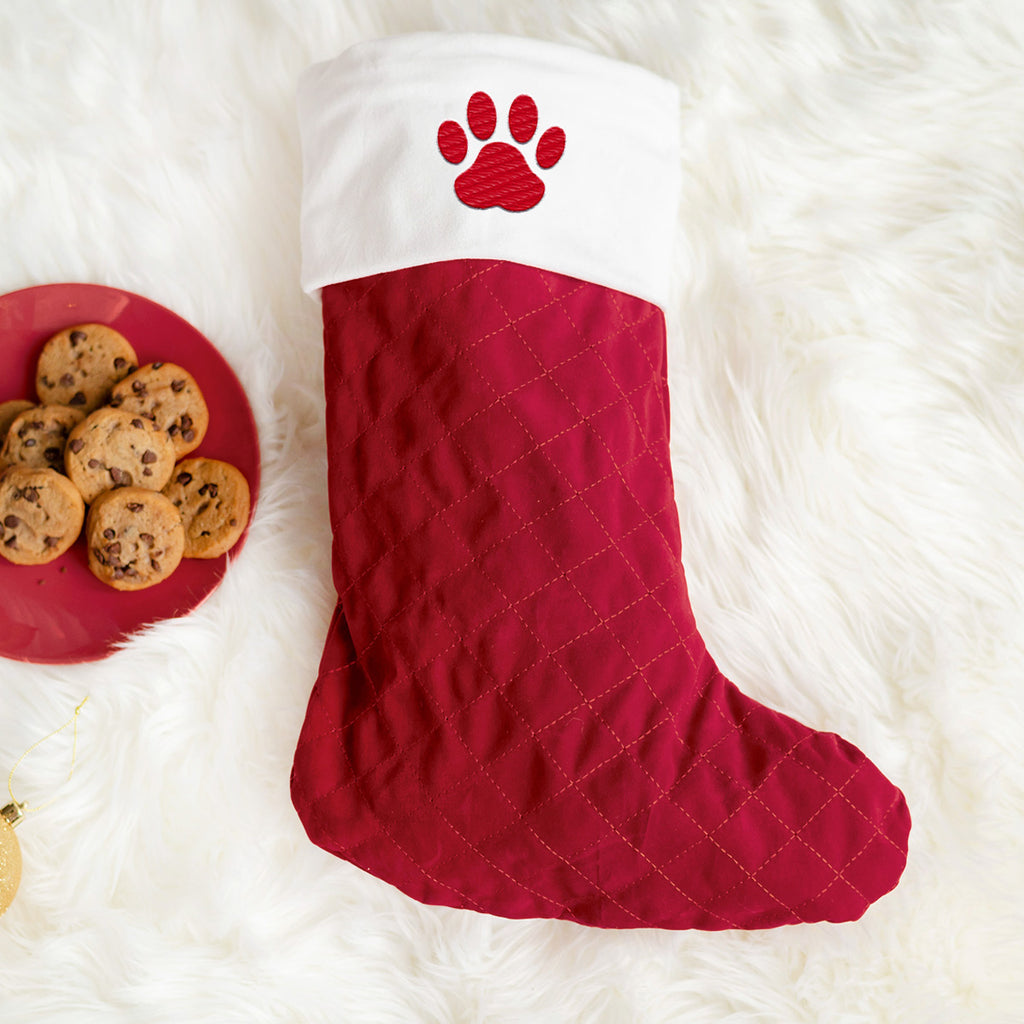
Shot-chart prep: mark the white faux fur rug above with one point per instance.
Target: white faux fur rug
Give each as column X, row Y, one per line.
column 847, row 353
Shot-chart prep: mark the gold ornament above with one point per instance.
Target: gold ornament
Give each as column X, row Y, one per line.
column 13, row 813
column 10, row 854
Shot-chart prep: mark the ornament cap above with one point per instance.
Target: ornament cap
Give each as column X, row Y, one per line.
column 13, row 813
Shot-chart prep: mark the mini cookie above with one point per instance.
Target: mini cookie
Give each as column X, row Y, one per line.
column 41, row 515
column 168, row 395
column 135, row 538
column 38, row 435
column 213, row 499
column 79, row 365
column 8, row 412
column 113, row 448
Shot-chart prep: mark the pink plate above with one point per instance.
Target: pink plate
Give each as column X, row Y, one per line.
column 60, row 613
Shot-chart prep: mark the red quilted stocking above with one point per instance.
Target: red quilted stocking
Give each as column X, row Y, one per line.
column 515, row 712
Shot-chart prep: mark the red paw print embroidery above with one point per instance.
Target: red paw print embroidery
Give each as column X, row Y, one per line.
column 500, row 175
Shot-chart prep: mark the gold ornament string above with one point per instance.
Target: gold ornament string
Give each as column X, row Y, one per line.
column 73, row 720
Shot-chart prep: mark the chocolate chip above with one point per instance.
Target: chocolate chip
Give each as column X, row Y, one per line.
column 146, row 538
column 120, row 363
column 156, row 366
column 139, row 387
column 36, row 424
column 11, row 521
column 148, row 457
column 177, row 385
column 130, row 572
column 134, row 506
column 183, row 479
column 77, row 445
column 204, row 488
column 78, row 398
column 51, row 542
column 30, row 442
column 147, row 471
column 11, row 542
column 138, row 424
column 118, row 475
column 77, row 336
column 115, row 402
column 113, row 549
column 119, row 574
column 186, row 421
column 109, row 533
column 188, row 435
column 172, row 429
column 67, row 380
column 52, row 454
column 94, row 463
column 155, row 564
column 30, row 494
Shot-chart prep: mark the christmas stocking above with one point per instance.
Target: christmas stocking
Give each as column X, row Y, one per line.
column 515, row 712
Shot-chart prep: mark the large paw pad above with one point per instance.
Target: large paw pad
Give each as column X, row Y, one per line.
column 500, row 174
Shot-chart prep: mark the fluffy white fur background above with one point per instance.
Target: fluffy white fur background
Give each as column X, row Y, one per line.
column 847, row 354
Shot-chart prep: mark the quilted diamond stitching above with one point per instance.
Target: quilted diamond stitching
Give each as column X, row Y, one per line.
column 481, row 277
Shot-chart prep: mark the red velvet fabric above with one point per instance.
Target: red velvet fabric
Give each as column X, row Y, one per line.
column 515, row 712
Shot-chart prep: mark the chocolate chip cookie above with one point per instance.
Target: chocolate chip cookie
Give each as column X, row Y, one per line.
column 114, row 448
column 79, row 365
column 135, row 538
column 170, row 396
column 213, row 499
column 41, row 515
column 38, row 435
column 9, row 412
